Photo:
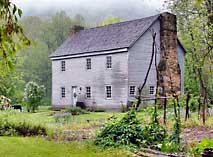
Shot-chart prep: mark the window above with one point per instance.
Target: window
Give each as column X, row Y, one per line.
column 109, row 62
column 63, row 68
column 108, row 91
column 88, row 92
column 63, row 94
column 132, row 90
column 89, row 66
column 151, row 90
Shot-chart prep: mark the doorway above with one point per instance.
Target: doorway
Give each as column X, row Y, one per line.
column 74, row 95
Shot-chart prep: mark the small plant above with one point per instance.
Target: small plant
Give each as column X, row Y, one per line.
column 124, row 132
column 76, row 110
column 154, row 133
column 199, row 148
column 63, row 117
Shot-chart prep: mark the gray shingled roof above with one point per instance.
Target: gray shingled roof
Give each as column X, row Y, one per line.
column 111, row 37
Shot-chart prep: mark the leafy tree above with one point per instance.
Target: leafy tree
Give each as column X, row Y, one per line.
column 195, row 22
column 110, row 20
column 12, row 37
column 11, row 86
column 33, row 95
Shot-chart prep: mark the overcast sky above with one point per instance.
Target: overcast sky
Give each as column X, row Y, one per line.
column 126, row 9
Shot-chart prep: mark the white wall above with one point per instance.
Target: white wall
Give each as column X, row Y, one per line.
column 139, row 58
column 76, row 74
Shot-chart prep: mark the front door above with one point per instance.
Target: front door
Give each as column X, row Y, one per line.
column 74, row 95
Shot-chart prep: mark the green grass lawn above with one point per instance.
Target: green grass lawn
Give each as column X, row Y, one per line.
column 79, row 125
column 38, row 147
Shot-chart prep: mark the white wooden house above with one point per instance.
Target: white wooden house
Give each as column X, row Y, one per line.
column 103, row 66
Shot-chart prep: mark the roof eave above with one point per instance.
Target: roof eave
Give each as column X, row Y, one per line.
column 86, row 54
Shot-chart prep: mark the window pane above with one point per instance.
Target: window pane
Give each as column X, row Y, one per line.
column 63, row 94
column 132, row 90
column 88, row 92
column 109, row 62
column 63, row 66
column 151, row 90
column 108, row 91
column 89, row 66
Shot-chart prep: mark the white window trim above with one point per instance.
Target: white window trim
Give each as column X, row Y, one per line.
column 108, row 98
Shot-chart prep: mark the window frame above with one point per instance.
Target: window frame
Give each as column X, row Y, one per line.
column 108, row 62
column 88, row 92
column 88, row 63
column 63, row 65
column 151, row 90
column 110, row 92
column 132, row 94
column 63, row 92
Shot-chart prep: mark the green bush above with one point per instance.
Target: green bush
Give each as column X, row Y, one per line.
column 76, row 110
column 124, row 132
column 169, row 146
column 193, row 103
column 13, row 123
column 154, row 134
column 198, row 149
column 33, row 94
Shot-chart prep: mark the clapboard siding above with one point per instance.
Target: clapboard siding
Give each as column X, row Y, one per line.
column 181, row 60
column 98, row 77
column 139, row 58
column 128, row 69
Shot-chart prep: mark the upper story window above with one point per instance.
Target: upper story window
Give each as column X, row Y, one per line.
column 88, row 92
column 109, row 62
column 108, row 91
column 132, row 90
column 88, row 63
column 63, row 92
column 151, row 90
column 63, row 65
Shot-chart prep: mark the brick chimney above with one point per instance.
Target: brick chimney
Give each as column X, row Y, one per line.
column 169, row 69
column 75, row 29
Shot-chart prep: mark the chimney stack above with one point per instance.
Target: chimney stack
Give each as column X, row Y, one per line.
column 75, row 29
column 169, row 69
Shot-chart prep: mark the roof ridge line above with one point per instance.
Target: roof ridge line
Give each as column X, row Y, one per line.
column 121, row 22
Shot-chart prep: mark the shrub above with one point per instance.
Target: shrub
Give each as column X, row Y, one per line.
column 33, row 95
column 154, row 132
column 76, row 110
column 193, row 103
column 124, row 132
column 14, row 123
column 5, row 103
column 199, row 148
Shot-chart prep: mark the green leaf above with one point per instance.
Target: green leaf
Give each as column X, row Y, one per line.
column 14, row 9
column 19, row 12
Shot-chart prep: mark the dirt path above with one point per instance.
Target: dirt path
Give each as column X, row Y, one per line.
column 197, row 133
